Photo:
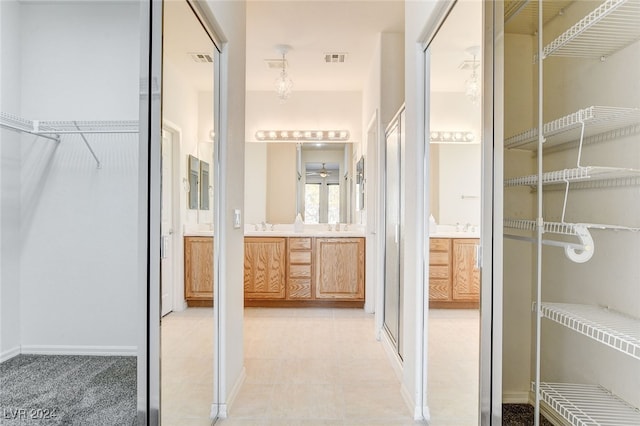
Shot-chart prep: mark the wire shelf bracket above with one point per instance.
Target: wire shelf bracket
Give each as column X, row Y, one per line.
column 588, row 405
column 54, row 129
column 595, row 120
column 610, row 27
column 616, row 330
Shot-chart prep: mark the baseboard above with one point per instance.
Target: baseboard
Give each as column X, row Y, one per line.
column 79, row 350
column 552, row 415
column 392, row 355
column 224, row 408
column 8, row 354
column 515, row 397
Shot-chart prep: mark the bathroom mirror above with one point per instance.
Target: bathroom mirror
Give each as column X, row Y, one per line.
column 194, row 177
column 276, row 175
column 323, row 182
column 205, row 185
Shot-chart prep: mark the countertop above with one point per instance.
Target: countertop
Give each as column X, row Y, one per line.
column 313, row 230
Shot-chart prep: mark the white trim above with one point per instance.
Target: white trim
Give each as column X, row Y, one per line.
column 224, row 408
column 79, row 350
column 10, row 353
column 392, row 353
column 516, row 397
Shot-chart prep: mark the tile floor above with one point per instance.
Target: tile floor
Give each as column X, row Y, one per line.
column 316, row 367
column 187, row 367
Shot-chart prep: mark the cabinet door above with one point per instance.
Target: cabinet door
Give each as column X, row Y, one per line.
column 340, row 268
column 264, row 268
column 466, row 277
column 198, row 268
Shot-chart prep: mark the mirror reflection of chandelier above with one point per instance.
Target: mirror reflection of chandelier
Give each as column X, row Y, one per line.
column 283, row 82
column 472, row 84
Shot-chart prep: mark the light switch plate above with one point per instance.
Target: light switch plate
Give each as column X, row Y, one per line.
column 237, row 219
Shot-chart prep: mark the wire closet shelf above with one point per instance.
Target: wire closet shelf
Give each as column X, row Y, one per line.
column 54, row 130
column 616, row 330
column 610, row 27
column 588, row 405
column 595, row 119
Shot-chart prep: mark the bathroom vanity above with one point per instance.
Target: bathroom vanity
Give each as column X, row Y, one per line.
column 454, row 279
column 314, row 268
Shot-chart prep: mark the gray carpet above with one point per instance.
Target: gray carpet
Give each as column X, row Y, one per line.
column 520, row 415
column 52, row 390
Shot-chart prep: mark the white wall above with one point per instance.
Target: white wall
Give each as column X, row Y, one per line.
column 459, row 165
column 281, row 183
column 304, row 110
column 9, row 182
column 79, row 230
column 231, row 19
column 255, row 180
column 519, row 111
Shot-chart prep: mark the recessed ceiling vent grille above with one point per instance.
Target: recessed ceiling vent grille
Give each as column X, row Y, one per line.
column 202, row 58
column 335, row 57
column 275, row 63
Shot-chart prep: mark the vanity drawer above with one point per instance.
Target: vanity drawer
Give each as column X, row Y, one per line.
column 299, row 288
column 439, row 258
column 300, row 271
column 299, row 243
column 439, row 244
column 439, row 272
column 300, row 257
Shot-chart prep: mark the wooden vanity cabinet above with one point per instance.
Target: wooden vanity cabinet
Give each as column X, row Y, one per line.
column 339, row 268
column 304, row 271
column 265, row 267
column 454, row 280
column 198, row 271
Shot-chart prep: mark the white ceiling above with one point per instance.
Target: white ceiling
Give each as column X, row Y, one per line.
column 313, row 27
column 461, row 30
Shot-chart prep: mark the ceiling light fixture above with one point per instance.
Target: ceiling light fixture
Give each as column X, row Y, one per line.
column 472, row 85
column 454, row 136
column 303, row 135
column 283, row 82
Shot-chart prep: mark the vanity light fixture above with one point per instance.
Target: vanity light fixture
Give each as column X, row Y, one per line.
column 453, row 136
column 303, row 135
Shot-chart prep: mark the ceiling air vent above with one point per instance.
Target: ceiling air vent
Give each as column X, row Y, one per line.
column 275, row 63
column 202, row 58
column 335, row 58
